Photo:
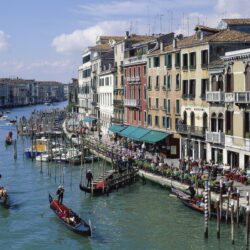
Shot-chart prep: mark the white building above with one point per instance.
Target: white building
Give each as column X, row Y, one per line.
column 106, row 89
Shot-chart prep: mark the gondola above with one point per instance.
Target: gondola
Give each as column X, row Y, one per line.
column 3, row 196
column 70, row 219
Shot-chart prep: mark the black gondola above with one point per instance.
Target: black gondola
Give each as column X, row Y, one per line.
column 70, row 219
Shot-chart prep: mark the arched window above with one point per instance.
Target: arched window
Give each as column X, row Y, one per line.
column 230, row 81
column 177, row 81
column 247, row 88
column 220, row 83
column 214, row 83
column 185, row 117
column 192, row 119
column 213, row 122
column 204, row 118
column 220, row 122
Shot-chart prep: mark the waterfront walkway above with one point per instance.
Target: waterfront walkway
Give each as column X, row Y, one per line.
column 102, row 146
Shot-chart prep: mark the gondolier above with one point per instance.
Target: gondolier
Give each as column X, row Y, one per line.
column 60, row 193
column 89, row 177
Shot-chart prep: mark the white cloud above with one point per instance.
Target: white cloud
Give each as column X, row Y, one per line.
column 4, row 43
column 80, row 39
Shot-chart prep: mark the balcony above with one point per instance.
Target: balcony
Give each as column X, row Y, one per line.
column 116, row 120
column 215, row 96
column 157, row 87
column 215, row 137
column 242, row 97
column 164, row 88
column 154, row 107
column 133, row 80
column 229, row 97
column 237, row 142
column 135, row 60
column 118, row 103
column 94, row 104
column 132, row 103
column 191, row 130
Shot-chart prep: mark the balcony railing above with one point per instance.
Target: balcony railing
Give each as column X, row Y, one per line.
column 215, row 137
column 118, row 103
column 135, row 60
column 215, row 96
column 117, row 120
column 134, row 79
column 242, row 97
column 237, row 142
column 229, row 97
column 132, row 102
column 192, row 130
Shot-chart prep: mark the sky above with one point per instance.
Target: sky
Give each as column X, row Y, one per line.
column 44, row 39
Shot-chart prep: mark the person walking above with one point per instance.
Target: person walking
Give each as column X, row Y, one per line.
column 60, row 194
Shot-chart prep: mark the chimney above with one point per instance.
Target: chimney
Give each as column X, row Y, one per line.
column 175, row 43
column 161, row 46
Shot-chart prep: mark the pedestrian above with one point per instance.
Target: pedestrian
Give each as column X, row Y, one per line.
column 89, row 177
column 60, row 193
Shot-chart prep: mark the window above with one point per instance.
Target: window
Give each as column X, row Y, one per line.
column 192, row 119
column 168, row 60
column 192, row 89
column 204, row 58
column 134, row 71
column 130, row 72
column 149, row 102
column 177, row 81
column 149, row 63
column 157, row 85
column 164, row 124
column 185, row 88
column 157, row 103
column 168, row 123
column 86, row 59
column 176, row 123
column 145, row 93
column 221, row 122
column 122, row 80
column 192, row 60
column 213, row 122
column 177, row 106
column 134, row 92
column 165, row 104
column 247, row 124
column 145, row 70
column 168, row 106
column 139, row 71
column 139, row 115
column 204, row 88
column 169, row 82
column 86, row 73
column 247, row 78
column 145, row 116
column 135, row 115
column 156, row 120
column 229, row 81
column 185, row 61
column 149, row 120
column 177, row 59
column 149, row 83
column 165, row 81
column 107, row 81
column 156, row 62
column 139, row 93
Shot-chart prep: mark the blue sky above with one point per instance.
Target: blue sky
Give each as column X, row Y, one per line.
column 44, row 39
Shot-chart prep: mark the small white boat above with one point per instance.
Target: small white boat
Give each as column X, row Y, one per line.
column 43, row 157
column 4, row 118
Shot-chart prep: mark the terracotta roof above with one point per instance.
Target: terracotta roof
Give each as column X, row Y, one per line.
column 206, row 28
column 140, row 38
column 104, row 46
column 236, row 21
column 116, row 38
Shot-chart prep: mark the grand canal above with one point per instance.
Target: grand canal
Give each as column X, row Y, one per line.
column 135, row 217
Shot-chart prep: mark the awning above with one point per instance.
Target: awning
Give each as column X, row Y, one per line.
column 127, row 131
column 154, row 136
column 89, row 119
column 117, row 128
column 138, row 133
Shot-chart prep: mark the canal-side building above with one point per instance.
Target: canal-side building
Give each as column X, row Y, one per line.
column 197, row 53
column 106, row 92
column 73, row 89
column 228, row 136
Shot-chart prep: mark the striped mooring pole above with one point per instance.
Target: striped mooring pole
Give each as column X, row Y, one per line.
column 206, row 211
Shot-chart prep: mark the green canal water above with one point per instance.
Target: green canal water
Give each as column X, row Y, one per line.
column 136, row 217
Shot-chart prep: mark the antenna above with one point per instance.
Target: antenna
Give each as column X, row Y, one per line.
column 160, row 16
column 182, row 22
column 188, row 24
column 148, row 16
column 130, row 27
column 171, row 22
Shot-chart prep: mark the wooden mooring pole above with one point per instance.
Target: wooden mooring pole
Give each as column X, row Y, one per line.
column 232, row 222
column 247, row 227
column 206, row 211
column 237, row 207
column 218, row 218
column 228, row 201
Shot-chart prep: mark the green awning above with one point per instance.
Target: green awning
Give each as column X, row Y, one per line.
column 154, row 136
column 138, row 133
column 127, row 131
column 89, row 119
column 116, row 128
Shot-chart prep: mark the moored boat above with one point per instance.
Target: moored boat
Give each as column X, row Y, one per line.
column 3, row 196
column 69, row 218
column 8, row 140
